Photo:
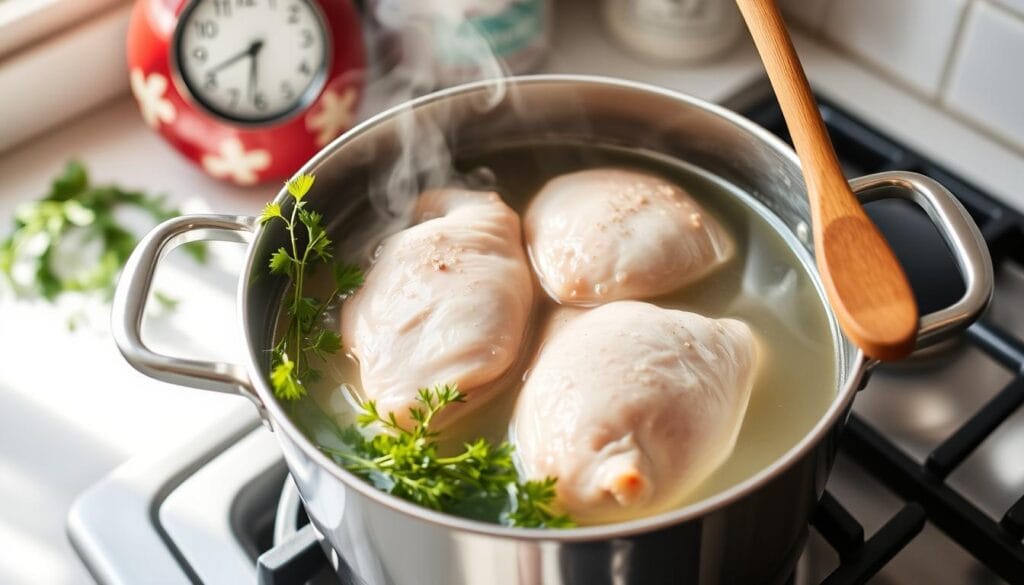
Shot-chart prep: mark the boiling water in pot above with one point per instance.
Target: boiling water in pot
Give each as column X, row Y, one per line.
column 765, row 283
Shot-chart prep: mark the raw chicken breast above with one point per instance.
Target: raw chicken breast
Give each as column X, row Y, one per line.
column 608, row 234
column 447, row 301
column 631, row 406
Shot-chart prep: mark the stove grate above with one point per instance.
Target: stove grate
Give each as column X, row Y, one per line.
column 859, row 558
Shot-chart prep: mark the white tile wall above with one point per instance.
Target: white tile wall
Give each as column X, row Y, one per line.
column 964, row 56
column 809, row 14
column 910, row 39
column 986, row 81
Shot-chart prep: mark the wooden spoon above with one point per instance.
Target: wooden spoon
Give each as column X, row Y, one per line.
column 865, row 283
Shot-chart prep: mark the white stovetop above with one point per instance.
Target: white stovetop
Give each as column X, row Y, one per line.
column 71, row 409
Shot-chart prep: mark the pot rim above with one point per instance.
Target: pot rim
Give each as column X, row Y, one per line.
column 282, row 422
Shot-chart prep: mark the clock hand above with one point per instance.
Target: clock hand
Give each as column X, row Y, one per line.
column 252, row 79
column 255, row 49
column 250, row 51
column 233, row 59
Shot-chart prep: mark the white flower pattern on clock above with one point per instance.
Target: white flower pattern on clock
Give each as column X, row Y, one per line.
column 235, row 163
column 334, row 116
column 149, row 91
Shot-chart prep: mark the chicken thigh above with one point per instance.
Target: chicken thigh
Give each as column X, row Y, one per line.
column 446, row 301
column 608, row 234
column 631, row 406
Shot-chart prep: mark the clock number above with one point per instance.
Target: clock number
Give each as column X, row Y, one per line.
column 200, row 54
column 233, row 95
column 206, row 29
column 223, row 7
column 293, row 14
column 287, row 91
column 259, row 101
column 304, row 67
column 211, row 81
column 307, row 38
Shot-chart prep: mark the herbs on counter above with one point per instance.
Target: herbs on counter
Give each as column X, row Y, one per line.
column 50, row 235
column 479, row 482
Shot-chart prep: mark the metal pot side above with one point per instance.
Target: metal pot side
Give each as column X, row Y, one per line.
column 750, row 533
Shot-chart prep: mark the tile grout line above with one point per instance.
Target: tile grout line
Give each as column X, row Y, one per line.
column 1013, row 13
column 1005, row 140
column 954, row 53
column 830, row 6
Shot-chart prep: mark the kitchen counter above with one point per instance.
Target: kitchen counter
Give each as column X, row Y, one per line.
column 71, row 409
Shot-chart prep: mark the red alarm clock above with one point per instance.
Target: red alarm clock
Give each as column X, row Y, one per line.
column 249, row 90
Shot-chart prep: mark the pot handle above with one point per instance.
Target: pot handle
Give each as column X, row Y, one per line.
column 961, row 235
column 132, row 292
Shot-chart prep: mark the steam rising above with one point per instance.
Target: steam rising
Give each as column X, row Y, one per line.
column 407, row 33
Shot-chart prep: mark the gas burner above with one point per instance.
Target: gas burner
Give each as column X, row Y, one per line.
column 930, row 466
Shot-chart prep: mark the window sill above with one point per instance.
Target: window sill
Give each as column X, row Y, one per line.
column 24, row 22
column 68, row 73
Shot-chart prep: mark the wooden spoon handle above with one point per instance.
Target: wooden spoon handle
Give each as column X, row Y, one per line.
column 811, row 141
column 865, row 283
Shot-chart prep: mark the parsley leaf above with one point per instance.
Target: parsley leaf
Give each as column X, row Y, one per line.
column 299, row 186
column 167, row 302
column 281, row 262
column 533, row 506
column 285, row 382
column 347, row 278
column 271, row 211
column 304, row 310
column 70, row 183
column 326, row 342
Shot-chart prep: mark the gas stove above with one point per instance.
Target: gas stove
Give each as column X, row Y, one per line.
column 928, row 486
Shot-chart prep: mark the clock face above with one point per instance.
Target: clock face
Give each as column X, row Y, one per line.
column 251, row 61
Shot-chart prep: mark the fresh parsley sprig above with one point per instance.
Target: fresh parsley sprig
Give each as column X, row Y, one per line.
column 305, row 336
column 406, row 462
column 42, row 230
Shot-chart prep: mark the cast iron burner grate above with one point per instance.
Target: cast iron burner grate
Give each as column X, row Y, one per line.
column 923, row 488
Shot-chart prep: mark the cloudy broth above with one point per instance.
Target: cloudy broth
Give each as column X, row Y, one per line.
column 765, row 283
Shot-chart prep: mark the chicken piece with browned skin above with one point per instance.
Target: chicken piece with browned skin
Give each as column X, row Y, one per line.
column 446, row 301
column 602, row 235
column 631, row 406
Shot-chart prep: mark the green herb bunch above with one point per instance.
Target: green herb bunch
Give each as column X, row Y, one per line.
column 40, row 228
column 479, row 482
column 305, row 336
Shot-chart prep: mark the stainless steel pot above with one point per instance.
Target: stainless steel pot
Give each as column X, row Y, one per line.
column 750, row 533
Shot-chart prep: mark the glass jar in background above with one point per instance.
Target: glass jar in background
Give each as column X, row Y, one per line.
column 516, row 31
column 674, row 30
column 446, row 42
